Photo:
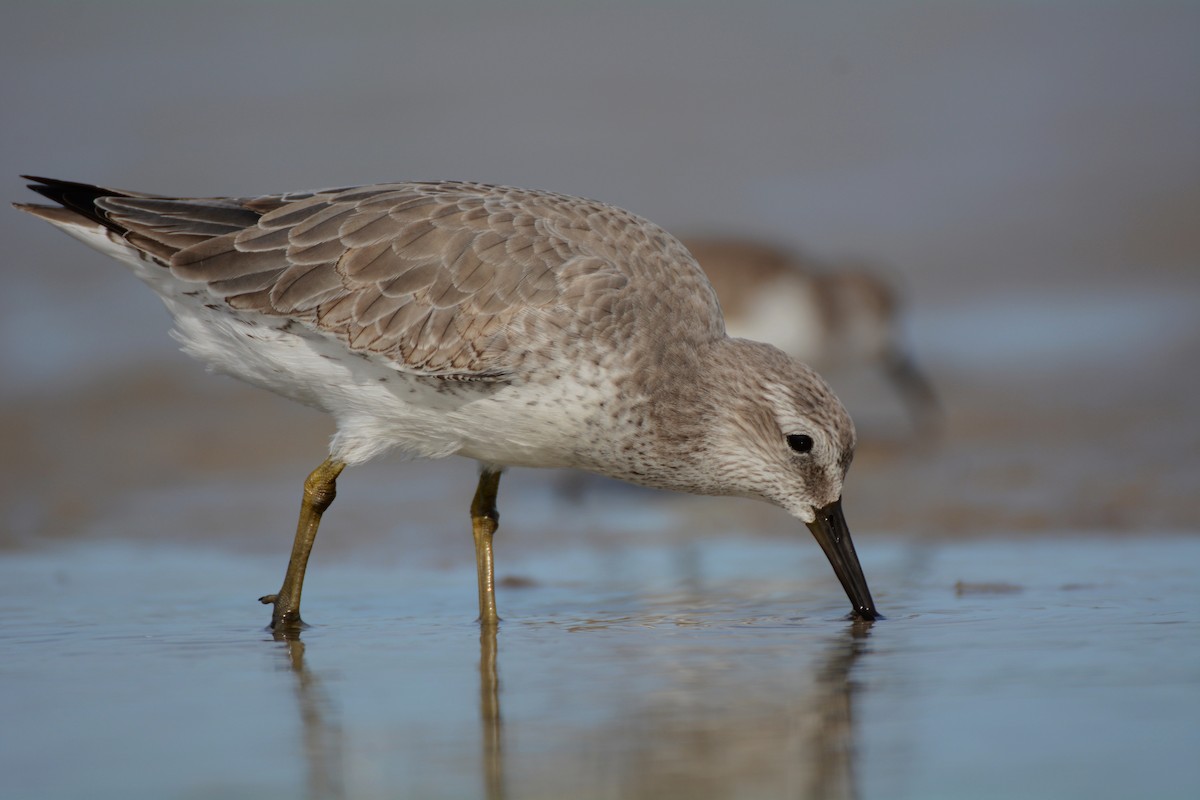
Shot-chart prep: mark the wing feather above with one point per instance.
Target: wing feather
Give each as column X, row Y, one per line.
column 446, row 279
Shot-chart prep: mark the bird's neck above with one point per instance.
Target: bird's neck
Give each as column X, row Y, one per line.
column 669, row 409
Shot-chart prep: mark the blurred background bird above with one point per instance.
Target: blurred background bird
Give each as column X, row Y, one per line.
column 831, row 316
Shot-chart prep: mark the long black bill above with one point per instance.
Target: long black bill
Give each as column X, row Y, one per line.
column 831, row 533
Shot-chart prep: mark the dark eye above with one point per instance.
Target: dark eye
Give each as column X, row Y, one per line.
column 800, row 442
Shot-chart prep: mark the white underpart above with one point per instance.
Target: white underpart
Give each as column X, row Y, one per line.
column 783, row 312
column 377, row 406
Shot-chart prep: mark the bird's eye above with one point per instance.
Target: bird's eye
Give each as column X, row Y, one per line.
column 800, row 442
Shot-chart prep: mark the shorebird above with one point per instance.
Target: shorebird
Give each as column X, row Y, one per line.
column 825, row 316
column 514, row 327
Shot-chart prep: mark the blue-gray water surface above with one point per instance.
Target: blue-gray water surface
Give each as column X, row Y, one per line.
column 1016, row 667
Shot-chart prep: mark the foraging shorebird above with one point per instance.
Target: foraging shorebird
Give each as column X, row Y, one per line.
column 514, row 327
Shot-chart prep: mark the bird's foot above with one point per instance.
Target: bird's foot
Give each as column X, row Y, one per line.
column 282, row 617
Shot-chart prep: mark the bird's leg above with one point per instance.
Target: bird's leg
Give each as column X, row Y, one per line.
column 319, row 490
column 915, row 390
column 484, row 519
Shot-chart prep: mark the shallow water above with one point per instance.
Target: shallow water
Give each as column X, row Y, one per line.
column 1061, row 667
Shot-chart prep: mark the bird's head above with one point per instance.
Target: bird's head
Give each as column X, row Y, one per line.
column 777, row 432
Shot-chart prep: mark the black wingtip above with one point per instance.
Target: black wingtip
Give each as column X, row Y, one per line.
column 74, row 196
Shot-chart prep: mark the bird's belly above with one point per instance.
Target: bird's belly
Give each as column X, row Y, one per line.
column 380, row 408
column 276, row 354
column 528, row 424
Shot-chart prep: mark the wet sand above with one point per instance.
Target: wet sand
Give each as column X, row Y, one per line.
column 1026, row 176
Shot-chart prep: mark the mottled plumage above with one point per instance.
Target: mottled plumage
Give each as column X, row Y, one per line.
column 511, row 326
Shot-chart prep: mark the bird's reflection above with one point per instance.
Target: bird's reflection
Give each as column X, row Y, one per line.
column 729, row 730
column 490, row 720
column 711, row 728
column 833, row 737
column 322, row 736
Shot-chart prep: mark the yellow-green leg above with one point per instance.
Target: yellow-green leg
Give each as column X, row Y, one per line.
column 484, row 519
column 319, row 490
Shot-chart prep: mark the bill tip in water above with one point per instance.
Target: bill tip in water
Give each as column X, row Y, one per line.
column 864, row 615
